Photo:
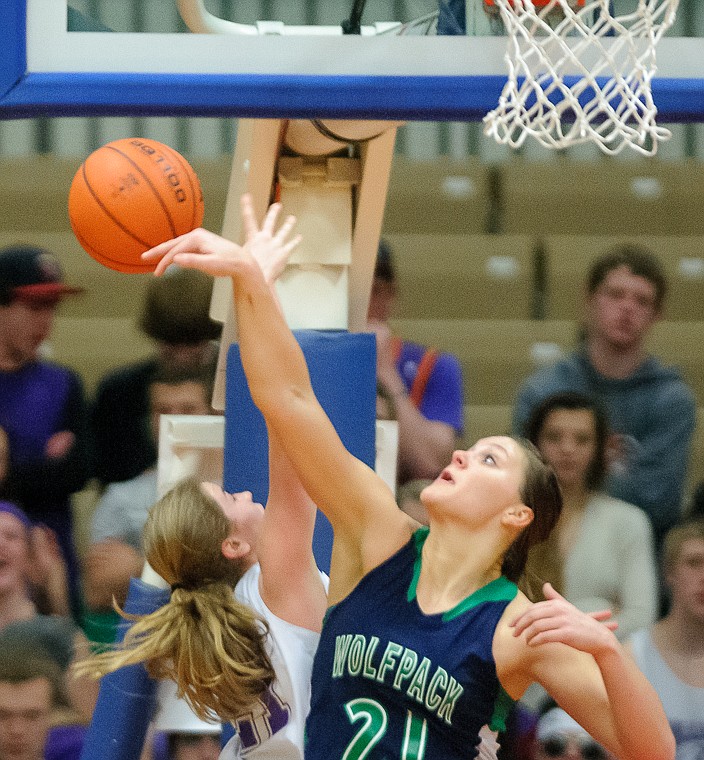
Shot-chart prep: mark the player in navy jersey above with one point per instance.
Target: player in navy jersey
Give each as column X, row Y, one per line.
column 427, row 637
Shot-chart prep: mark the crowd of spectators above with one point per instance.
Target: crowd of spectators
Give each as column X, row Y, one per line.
column 53, row 442
column 615, row 423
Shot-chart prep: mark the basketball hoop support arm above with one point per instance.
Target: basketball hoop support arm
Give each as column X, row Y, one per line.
column 339, row 202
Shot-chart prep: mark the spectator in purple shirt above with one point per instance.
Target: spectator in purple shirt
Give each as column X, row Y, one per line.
column 424, row 385
column 42, row 407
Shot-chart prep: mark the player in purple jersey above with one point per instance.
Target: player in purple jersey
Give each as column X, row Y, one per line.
column 243, row 657
column 489, row 505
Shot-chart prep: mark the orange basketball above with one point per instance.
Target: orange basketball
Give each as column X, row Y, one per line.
column 129, row 196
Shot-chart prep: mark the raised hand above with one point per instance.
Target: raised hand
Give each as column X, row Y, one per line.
column 270, row 249
column 386, row 371
column 556, row 620
column 214, row 255
column 47, row 571
column 201, row 250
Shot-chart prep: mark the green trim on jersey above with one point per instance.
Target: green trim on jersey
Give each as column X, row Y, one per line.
column 502, row 707
column 499, row 590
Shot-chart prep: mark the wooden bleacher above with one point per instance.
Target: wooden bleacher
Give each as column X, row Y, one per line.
column 35, row 189
column 598, row 197
column 463, row 276
column 108, row 294
column 680, row 343
column 482, row 420
column 94, row 346
column 419, row 201
column 496, row 355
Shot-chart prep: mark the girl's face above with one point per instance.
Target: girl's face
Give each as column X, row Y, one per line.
column 244, row 514
column 567, row 441
column 14, row 552
column 480, row 482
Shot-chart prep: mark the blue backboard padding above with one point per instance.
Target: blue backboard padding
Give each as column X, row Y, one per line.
column 677, row 100
column 250, row 96
column 467, row 98
column 126, row 700
column 13, row 49
column 343, row 373
column 26, row 93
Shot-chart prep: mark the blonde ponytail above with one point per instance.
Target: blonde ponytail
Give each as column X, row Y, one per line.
column 211, row 645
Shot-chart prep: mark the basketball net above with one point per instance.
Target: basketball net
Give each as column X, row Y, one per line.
column 585, row 79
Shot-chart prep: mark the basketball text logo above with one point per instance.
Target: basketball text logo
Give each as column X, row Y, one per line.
column 400, row 668
column 166, row 166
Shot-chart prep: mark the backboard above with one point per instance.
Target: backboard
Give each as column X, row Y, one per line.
column 50, row 71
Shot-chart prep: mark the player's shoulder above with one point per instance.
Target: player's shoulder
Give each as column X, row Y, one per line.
column 445, row 361
column 519, row 604
column 514, row 609
column 621, row 515
column 562, row 370
column 510, row 652
column 54, row 373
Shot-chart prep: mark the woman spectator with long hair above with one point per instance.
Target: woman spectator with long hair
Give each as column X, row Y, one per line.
column 601, row 552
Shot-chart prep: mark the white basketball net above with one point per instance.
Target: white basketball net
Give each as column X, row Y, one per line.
column 551, row 69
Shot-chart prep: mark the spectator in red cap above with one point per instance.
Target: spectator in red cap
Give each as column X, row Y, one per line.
column 42, row 406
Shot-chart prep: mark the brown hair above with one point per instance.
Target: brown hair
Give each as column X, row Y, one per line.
column 384, row 267
column 210, row 644
column 676, row 536
column 639, row 260
column 4, row 454
column 572, row 401
column 177, row 308
column 20, row 662
column 201, row 375
column 541, row 493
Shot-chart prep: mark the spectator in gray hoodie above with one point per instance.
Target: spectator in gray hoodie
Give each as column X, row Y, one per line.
column 650, row 407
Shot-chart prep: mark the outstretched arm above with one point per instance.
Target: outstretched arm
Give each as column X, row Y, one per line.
column 581, row 664
column 292, row 587
column 368, row 526
column 291, row 584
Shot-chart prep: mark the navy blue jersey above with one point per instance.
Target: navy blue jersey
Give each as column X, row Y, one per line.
column 391, row 683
